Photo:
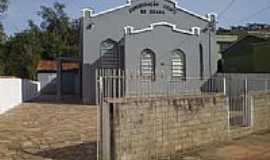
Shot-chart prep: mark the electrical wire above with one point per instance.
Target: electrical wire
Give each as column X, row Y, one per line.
column 222, row 12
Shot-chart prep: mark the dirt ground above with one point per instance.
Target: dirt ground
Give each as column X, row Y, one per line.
column 38, row 131
column 253, row 147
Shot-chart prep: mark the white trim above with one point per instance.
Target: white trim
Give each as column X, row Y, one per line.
column 207, row 17
column 193, row 31
column 252, row 111
column 87, row 10
column 109, row 10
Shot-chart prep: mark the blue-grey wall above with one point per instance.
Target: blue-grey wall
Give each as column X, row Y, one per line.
column 48, row 82
column 162, row 39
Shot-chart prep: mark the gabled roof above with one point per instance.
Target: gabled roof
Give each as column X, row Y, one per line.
column 129, row 3
column 253, row 39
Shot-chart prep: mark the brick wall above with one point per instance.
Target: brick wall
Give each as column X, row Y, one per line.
column 160, row 127
column 261, row 116
column 163, row 127
column 259, row 104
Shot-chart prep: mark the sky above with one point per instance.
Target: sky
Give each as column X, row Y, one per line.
column 20, row 11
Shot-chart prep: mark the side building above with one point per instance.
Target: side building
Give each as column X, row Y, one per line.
column 224, row 41
column 47, row 76
column 248, row 55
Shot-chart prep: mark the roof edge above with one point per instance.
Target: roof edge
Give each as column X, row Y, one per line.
column 129, row 2
column 239, row 40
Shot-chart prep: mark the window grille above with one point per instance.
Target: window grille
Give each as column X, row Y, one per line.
column 148, row 64
column 178, row 65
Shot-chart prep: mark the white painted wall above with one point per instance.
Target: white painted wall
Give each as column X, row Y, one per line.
column 14, row 91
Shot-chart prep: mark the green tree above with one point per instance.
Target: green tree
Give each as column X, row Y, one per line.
column 60, row 34
column 57, row 36
column 23, row 53
column 3, row 6
column 2, row 64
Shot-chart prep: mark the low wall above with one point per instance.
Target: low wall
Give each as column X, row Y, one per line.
column 160, row 127
column 261, row 116
column 163, row 127
column 14, row 91
column 259, row 105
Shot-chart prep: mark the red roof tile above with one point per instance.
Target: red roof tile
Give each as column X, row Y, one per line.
column 51, row 65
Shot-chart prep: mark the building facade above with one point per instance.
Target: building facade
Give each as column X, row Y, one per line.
column 148, row 37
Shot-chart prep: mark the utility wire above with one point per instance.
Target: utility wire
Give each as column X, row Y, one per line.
column 255, row 14
column 222, row 12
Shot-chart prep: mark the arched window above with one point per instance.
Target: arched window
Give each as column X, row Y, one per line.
column 108, row 47
column 201, row 62
column 109, row 54
column 147, row 67
column 178, row 65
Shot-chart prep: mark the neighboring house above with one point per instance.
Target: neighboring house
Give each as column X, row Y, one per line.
column 260, row 33
column 250, row 54
column 47, row 76
column 149, row 37
column 224, row 41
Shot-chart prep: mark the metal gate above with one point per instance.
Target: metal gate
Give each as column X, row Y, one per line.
column 239, row 103
column 110, row 84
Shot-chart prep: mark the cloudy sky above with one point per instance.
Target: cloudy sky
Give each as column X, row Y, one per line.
column 241, row 12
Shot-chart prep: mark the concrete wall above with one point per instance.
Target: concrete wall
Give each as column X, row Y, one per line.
column 162, row 127
column 47, row 82
column 14, row 91
column 30, row 89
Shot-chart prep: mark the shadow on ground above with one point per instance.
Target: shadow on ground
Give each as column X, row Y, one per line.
column 84, row 151
column 54, row 99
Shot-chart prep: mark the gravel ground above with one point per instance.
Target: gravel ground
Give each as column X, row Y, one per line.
column 38, row 131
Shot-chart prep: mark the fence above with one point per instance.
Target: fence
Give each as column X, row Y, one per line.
column 113, row 83
column 238, row 87
column 174, row 127
column 116, row 84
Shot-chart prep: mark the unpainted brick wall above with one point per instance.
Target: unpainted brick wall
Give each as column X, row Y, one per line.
column 260, row 112
column 152, row 128
column 261, row 116
column 163, row 127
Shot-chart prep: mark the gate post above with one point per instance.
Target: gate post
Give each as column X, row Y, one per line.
column 224, row 86
column 99, row 117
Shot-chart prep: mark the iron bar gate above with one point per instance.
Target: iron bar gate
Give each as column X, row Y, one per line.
column 110, row 84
